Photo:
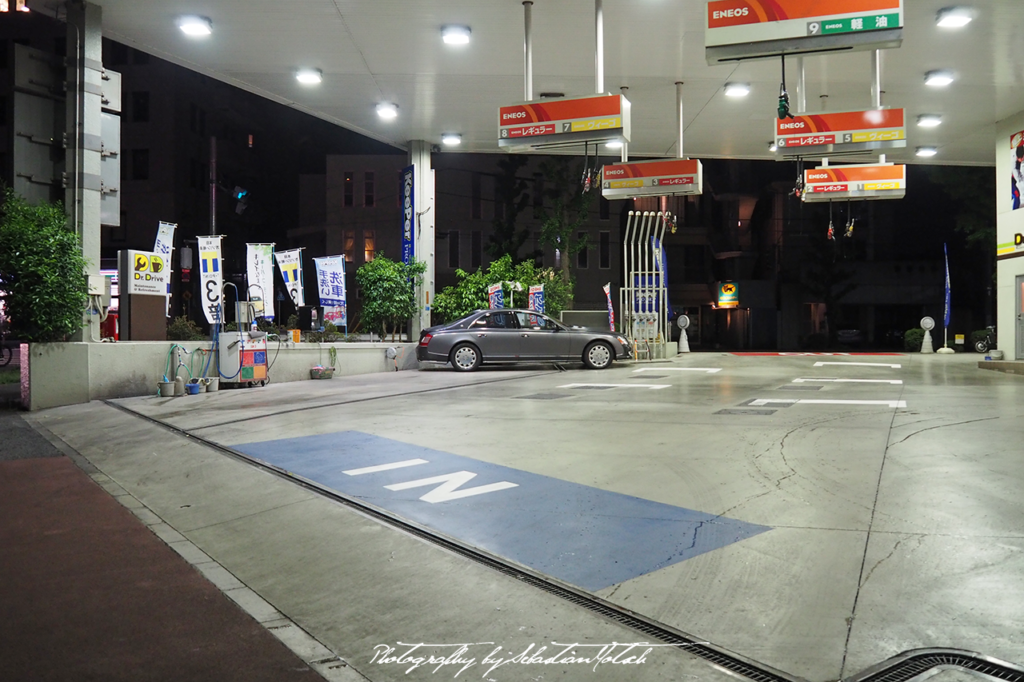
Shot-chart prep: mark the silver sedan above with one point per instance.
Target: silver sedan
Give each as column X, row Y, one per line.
column 507, row 335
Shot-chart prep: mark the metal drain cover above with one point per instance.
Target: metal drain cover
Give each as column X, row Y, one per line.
column 542, row 396
column 651, row 376
column 799, row 388
column 592, row 388
column 754, row 412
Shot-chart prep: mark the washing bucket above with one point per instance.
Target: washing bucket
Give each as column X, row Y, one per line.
column 212, row 384
column 166, row 389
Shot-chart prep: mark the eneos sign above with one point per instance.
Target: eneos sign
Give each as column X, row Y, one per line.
column 841, row 131
column 676, row 177
column 886, row 181
column 564, row 121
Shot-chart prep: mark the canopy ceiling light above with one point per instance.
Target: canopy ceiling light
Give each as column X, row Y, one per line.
column 929, row 120
column 451, row 139
column 613, row 144
column 772, row 147
column 387, row 111
column 939, row 79
column 455, row 35
column 309, row 76
column 954, row 17
column 195, row 26
column 927, row 151
column 737, row 89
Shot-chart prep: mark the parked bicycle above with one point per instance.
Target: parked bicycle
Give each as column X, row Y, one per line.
column 987, row 342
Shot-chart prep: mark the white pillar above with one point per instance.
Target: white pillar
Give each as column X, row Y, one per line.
column 423, row 201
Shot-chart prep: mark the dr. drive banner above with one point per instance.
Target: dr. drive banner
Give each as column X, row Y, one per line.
column 330, row 279
column 211, row 278
column 260, row 276
column 290, row 264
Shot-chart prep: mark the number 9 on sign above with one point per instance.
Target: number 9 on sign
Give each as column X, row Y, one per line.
column 813, row 28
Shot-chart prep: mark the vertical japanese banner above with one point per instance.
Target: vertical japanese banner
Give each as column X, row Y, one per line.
column 163, row 247
column 211, row 279
column 611, row 310
column 330, row 279
column 495, row 296
column 537, row 298
column 290, row 264
column 408, row 215
column 259, row 272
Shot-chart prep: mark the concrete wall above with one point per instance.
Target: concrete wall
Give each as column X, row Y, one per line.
column 55, row 374
column 1009, row 223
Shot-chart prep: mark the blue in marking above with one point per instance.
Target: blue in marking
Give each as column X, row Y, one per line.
column 584, row 536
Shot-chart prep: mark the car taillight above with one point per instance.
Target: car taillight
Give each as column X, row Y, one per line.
column 425, row 339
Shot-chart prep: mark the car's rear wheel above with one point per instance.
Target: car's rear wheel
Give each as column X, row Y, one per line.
column 598, row 355
column 465, row 357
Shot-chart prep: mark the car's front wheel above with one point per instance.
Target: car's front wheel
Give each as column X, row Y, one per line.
column 598, row 355
column 465, row 357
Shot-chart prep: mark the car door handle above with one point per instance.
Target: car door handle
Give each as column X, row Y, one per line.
column 481, row 335
column 525, row 336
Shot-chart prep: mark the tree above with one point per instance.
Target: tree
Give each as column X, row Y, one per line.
column 42, row 270
column 510, row 198
column 570, row 208
column 389, row 293
column 826, row 280
column 471, row 291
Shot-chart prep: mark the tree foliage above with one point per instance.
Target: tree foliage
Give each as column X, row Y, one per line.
column 510, row 198
column 470, row 293
column 826, row 280
column 974, row 191
column 42, row 271
column 567, row 211
column 389, row 293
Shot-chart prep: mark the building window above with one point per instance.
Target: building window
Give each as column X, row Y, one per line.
column 350, row 190
column 349, row 239
column 453, row 249
column 368, row 198
column 476, row 195
column 604, row 208
column 604, row 250
column 140, row 164
column 582, row 255
column 476, row 257
column 368, row 246
column 140, row 107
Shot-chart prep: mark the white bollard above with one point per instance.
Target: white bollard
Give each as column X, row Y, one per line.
column 684, row 343
column 926, row 343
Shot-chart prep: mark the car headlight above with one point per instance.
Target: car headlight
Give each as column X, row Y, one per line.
column 623, row 341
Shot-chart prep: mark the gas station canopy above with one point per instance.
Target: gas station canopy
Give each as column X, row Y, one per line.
column 391, row 51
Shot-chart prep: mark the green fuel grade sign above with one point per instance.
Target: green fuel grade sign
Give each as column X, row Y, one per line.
column 870, row 22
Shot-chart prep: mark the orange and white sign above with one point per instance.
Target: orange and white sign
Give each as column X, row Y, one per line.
column 675, row 177
column 841, row 131
column 887, row 181
column 739, row 24
column 561, row 121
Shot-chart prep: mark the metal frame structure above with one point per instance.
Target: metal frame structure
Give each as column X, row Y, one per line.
column 643, row 300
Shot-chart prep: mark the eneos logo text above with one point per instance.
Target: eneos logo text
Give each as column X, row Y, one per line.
column 729, row 13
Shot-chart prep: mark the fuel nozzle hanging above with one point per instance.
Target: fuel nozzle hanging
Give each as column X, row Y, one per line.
column 783, row 95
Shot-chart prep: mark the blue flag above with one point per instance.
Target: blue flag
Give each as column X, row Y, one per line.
column 945, row 253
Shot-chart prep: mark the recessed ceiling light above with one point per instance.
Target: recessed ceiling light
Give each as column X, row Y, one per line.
column 309, row 76
column 451, row 139
column 737, row 89
column 929, row 120
column 194, row 26
column 387, row 111
column 613, row 144
column 938, row 79
column 954, row 17
column 927, row 151
column 455, row 35
column 772, row 147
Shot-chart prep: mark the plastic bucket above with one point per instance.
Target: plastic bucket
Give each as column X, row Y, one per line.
column 212, row 384
column 166, row 389
column 192, row 389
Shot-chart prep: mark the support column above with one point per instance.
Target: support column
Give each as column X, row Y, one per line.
column 84, row 134
column 423, row 202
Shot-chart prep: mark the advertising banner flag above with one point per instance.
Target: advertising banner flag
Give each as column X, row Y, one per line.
column 536, row 294
column 408, row 215
column 330, row 279
column 260, row 276
column 611, row 310
column 290, row 264
column 162, row 247
column 211, row 279
column 495, row 296
column 945, row 318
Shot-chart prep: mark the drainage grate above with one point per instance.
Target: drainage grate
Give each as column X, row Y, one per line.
column 651, row 376
column 799, row 388
column 755, row 412
column 542, row 396
column 911, row 664
column 584, row 387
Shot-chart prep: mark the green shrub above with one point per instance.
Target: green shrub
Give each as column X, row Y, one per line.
column 42, row 271
column 912, row 340
column 389, row 293
column 184, row 329
column 471, row 291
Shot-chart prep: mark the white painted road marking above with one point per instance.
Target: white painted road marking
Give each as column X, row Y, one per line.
column 860, row 364
column 767, row 402
column 385, row 467
column 448, row 490
column 852, row 381
column 651, row 386
column 709, row 370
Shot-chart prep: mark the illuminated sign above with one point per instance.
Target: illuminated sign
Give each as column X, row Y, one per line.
column 752, row 29
column 728, row 295
column 830, row 183
column 676, row 177
column 564, row 121
column 147, row 274
column 846, row 131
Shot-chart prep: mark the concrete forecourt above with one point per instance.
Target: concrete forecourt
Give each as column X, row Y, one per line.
column 814, row 514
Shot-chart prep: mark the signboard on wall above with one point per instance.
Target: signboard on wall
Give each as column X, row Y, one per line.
column 148, row 274
column 755, row 29
column 728, row 295
column 408, row 215
column 846, row 131
column 888, row 181
column 554, row 122
column 675, row 177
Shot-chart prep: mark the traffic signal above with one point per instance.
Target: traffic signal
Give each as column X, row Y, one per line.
column 241, row 195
